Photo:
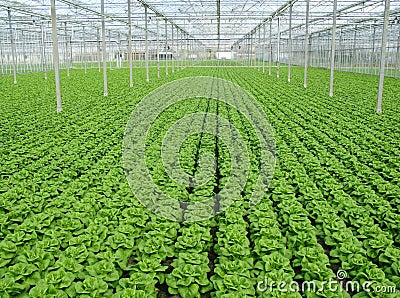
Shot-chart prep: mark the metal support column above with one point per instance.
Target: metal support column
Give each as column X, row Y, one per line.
column 43, row 52
column 372, row 49
column 66, row 49
column 333, row 48
column 341, row 49
column 306, row 53
column 130, row 44
column 396, row 62
column 56, row 59
column 24, row 51
column 178, row 48
column 383, row 56
column 13, row 51
column 172, row 49
column 263, row 50
column 254, row 49
column 259, row 47
column 2, row 59
column 184, row 49
column 354, row 54
column 181, row 50
column 158, row 48
column 290, row 43
column 270, row 47
column 110, row 44
column 188, row 50
column 98, row 50
column 248, row 51
column 119, row 51
column 135, row 52
column 71, row 62
column 278, row 51
column 146, row 45
column 81, row 50
column 103, row 33
column 84, row 50
column 166, row 47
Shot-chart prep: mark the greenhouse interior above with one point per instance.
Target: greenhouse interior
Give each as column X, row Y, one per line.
column 185, row 149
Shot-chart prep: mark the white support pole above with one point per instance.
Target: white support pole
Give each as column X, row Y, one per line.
column 2, row 58
column 194, row 52
column 383, row 56
column 81, row 50
column 84, row 50
column 310, row 49
column 119, row 51
column 190, row 44
column 278, row 61
column 146, row 57
column 110, row 45
column 56, row 59
column 13, row 51
column 259, row 47
column 98, row 50
column 183, row 51
column 187, row 50
column 158, row 48
column 354, row 54
column 333, row 48
column 306, row 53
column 371, row 56
column 255, row 49
column 43, row 52
column 290, row 43
column 134, row 52
column 166, row 47
column 396, row 62
column 270, row 47
column 180, row 47
column 25, row 67
column 341, row 49
column 263, row 50
column 103, row 36
column 172, row 49
column 24, row 51
column 193, row 48
column 31, row 51
column 71, row 63
column 38, row 48
column 130, row 44
column 247, row 50
column 66, row 49
column 251, row 51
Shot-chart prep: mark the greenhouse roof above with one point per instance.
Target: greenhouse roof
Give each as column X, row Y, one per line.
column 210, row 22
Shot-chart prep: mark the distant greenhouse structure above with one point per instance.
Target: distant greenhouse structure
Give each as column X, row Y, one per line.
column 354, row 36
